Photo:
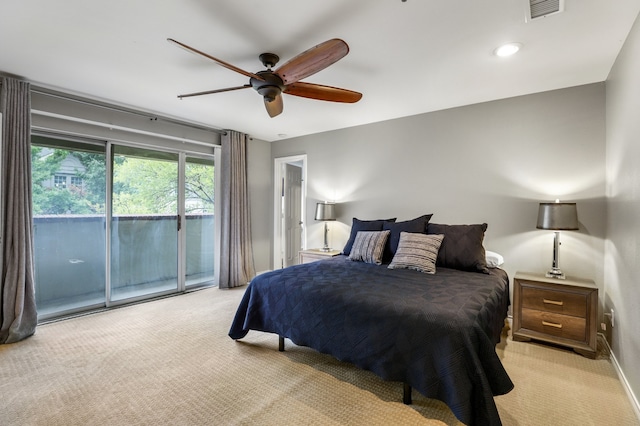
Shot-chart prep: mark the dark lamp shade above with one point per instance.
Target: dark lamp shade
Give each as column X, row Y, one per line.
column 558, row 216
column 325, row 211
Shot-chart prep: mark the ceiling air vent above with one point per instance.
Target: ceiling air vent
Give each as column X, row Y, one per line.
column 542, row 8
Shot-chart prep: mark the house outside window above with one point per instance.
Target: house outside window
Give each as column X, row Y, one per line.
column 60, row 181
column 76, row 181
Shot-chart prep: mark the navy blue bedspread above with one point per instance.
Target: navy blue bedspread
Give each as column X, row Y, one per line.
column 435, row 332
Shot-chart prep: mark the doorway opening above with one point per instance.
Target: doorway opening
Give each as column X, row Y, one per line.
column 290, row 192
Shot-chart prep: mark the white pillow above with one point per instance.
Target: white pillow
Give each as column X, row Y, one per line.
column 494, row 260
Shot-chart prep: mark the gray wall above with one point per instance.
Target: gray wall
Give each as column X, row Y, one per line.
column 622, row 266
column 491, row 162
column 259, row 177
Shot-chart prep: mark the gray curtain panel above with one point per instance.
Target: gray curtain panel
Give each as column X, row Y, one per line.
column 17, row 295
column 236, row 253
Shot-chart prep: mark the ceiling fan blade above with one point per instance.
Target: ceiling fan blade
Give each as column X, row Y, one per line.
column 209, row 92
column 323, row 93
column 274, row 107
column 219, row 61
column 313, row 60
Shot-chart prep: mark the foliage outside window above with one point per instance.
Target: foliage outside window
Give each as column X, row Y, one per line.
column 59, row 198
column 140, row 186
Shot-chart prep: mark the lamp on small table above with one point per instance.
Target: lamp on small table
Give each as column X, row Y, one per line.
column 325, row 212
column 557, row 217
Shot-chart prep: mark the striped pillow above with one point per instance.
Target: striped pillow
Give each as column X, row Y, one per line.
column 368, row 246
column 417, row 251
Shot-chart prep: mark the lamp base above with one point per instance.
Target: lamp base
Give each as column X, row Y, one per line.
column 326, row 241
column 556, row 273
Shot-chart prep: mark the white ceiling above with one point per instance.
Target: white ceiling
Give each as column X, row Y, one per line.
column 406, row 58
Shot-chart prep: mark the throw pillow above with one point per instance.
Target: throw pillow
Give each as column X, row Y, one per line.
column 418, row 224
column 369, row 246
column 363, row 225
column 417, row 251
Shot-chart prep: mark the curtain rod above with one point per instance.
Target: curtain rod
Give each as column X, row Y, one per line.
column 43, row 131
column 64, row 96
column 117, row 127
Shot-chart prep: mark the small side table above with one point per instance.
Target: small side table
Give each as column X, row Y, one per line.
column 563, row 312
column 311, row 255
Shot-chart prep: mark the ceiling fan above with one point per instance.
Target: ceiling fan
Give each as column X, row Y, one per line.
column 286, row 79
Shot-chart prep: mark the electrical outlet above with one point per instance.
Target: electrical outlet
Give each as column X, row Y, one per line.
column 603, row 326
column 613, row 319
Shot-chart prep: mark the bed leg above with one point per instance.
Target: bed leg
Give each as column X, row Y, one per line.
column 406, row 394
column 281, row 343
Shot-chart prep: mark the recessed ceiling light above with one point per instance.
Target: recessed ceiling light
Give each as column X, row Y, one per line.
column 507, row 49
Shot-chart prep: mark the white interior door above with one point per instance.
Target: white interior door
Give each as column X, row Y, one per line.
column 289, row 199
column 292, row 206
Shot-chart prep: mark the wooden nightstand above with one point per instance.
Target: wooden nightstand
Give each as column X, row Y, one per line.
column 563, row 312
column 311, row 255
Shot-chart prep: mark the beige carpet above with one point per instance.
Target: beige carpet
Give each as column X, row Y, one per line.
column 170, row 362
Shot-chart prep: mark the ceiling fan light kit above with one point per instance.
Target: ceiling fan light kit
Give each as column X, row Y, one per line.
column 286, row 79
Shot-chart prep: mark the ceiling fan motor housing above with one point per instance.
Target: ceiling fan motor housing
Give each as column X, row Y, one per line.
column 270, row 87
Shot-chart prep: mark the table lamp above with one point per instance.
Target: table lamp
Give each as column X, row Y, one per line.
column 557, row 217
column 325, row 212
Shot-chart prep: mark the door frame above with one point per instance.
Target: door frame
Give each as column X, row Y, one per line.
column 278, row 176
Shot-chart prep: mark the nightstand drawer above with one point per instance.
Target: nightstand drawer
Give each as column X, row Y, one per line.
column 560, row 302
column 563, row 312
column 565, row 326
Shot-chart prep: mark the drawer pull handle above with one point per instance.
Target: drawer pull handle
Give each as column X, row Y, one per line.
column 553, row 302
column 552, row 324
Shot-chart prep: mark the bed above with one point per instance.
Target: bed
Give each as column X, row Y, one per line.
column 435, row 332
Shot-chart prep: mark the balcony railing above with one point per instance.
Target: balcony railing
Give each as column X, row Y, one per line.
column 70, row 257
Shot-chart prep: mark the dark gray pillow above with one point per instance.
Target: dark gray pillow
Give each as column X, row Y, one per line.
column 363, row 225
column 462, row 246
column 417, row 225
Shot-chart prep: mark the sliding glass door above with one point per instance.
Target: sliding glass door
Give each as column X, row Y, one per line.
column 68, row 187
column 144, row 223
column 199, row 224
column 115, row 224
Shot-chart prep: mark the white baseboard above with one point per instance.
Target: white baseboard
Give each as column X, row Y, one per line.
column 623, row 379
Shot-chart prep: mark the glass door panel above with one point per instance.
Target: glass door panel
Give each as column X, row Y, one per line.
column 68, row 187
column 199, row 223
column 144, row 223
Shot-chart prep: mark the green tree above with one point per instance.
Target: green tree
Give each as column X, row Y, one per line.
column 93, row 178
column 145, row 186
column 140, row 185
column 199, row 188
